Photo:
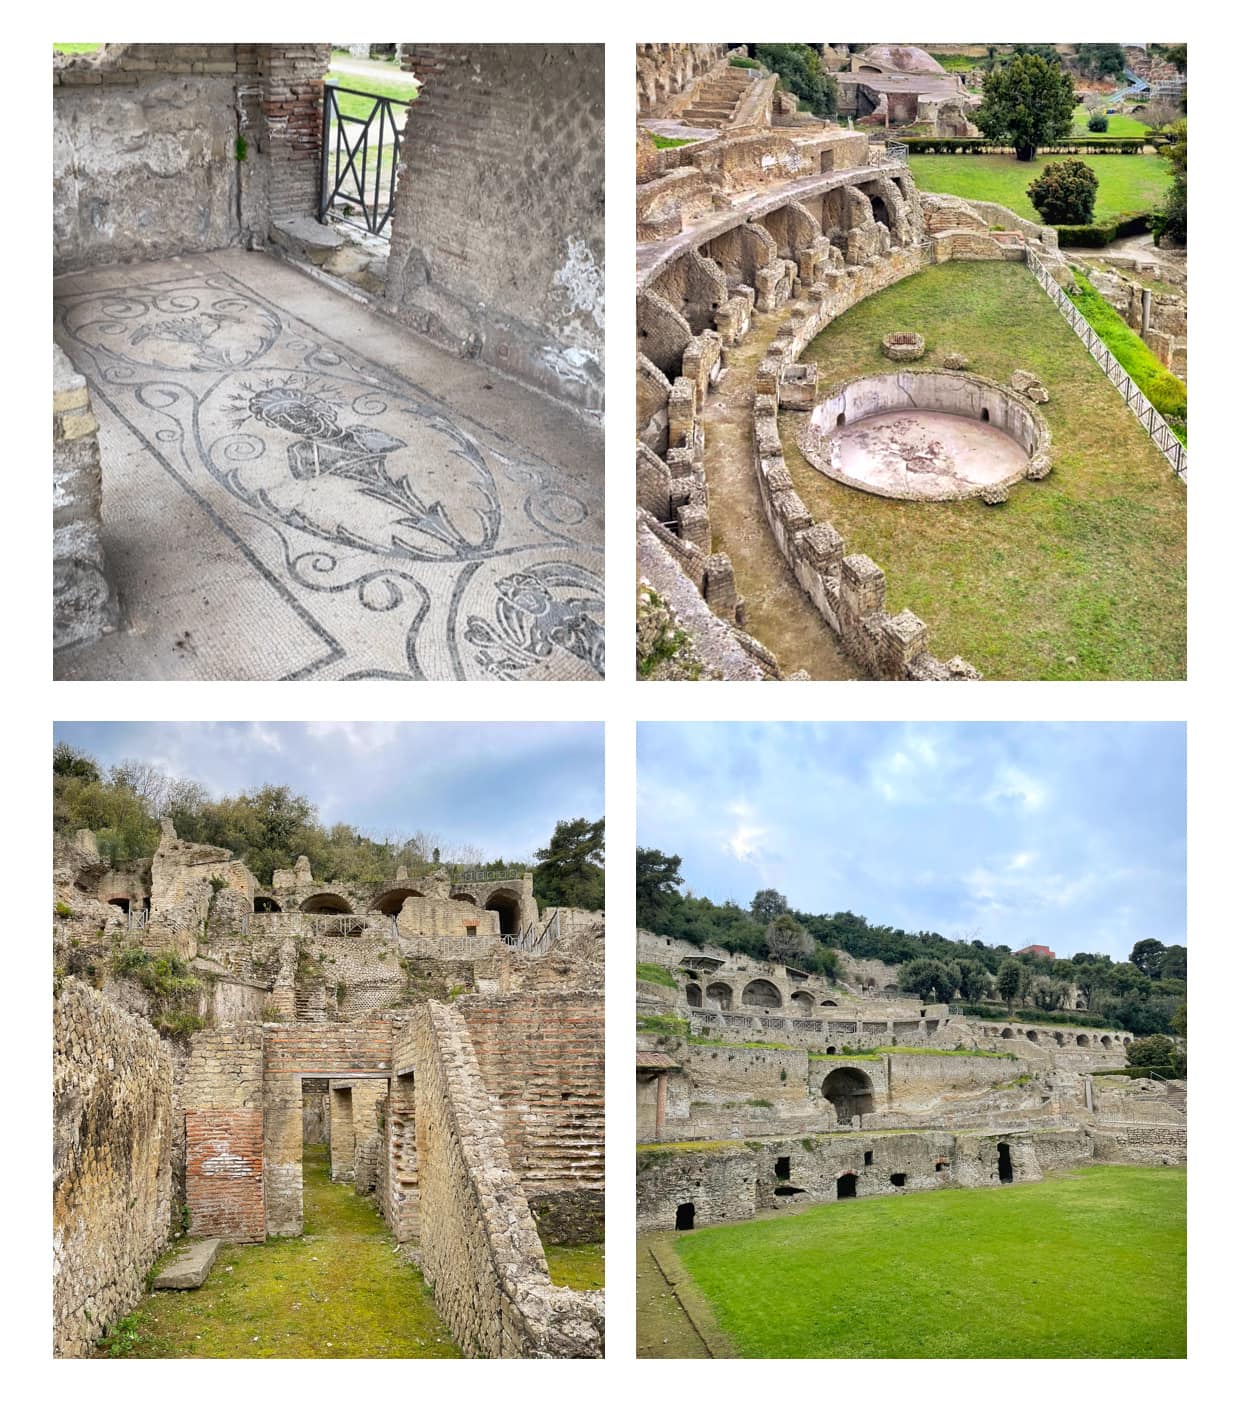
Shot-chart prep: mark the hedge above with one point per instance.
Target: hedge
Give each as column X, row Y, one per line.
column 1097, row 236
column 740, row 62
column 973, row 146
column 1031, row 1016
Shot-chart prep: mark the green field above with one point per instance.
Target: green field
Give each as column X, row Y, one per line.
column 1089, row 1264
column 1119, row 125
column 1080, row 576
column 1137, row 183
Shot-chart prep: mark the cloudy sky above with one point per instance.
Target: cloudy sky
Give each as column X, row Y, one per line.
column 501, row 787
column 1069, row 835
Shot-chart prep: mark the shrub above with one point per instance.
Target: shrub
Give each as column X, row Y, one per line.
column 1097, row 122
column 1064, row 192
column 63, row 909
column 657, row 975
column 740, row 61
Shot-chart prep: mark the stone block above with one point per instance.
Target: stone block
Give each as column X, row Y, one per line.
column 822, row 547
column 190, row 1268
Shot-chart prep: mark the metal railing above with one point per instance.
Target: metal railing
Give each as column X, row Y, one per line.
column 1164, row 439
column 536, row 944
column 897, row 152
column 363, row 173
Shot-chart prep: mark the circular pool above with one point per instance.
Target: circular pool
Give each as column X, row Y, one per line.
column 936, row 435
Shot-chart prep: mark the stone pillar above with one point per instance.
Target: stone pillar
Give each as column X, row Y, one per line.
column 661, row 1100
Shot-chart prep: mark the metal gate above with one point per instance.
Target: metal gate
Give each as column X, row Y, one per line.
column 358, row 179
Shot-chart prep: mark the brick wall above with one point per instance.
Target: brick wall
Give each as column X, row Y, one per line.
column 498, row 229
column 542, row 1058
column 479, row 1247
column 112, row 1141
column 224, row 1174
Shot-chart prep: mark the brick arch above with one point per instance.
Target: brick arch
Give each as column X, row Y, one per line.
column 763, row 994
column 509, row 905
column 326, row 904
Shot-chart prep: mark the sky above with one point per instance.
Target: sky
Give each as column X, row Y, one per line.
column 500, row 787
column 1071, row 836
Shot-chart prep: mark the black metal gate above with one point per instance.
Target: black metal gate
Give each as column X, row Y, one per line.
column 359, row 177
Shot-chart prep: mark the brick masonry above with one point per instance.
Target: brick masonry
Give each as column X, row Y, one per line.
column 224, row 1174
column 498, row 229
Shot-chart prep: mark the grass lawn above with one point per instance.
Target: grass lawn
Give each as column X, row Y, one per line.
column 1135, row 183
column 338, row 1290
column 75, row 48
column 1080, row 576
column 1119, row 125
column 1089, row 1263
column 355, row 107
column 576, row 1266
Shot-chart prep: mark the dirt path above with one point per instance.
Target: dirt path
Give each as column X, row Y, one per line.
column 663, row 1329
column 778, row 612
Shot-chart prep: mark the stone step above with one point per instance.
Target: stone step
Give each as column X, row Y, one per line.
column 190, row 1267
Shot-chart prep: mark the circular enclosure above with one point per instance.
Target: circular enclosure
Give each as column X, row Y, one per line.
column 935, row 435
column 903, row 347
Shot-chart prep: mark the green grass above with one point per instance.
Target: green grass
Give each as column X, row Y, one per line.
column 576, row 1266
column 1136, row 183
column 1119, row 125
column 1164, row 391
column 355, row 107
column 1081, row 576
column 339, row 1290
column 75, row 48
column 1089, row 1264
column 957, row 63
column 661, row 141
column 656, row 974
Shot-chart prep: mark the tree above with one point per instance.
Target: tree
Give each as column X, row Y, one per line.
column 768, row 905
column 1010, row 981
column 657, row 877
column 1179, row 1020
column 1064, row 193
column 1048, row 994
column 975, row 980
column 68, row 763
column 787, row 941
column 929, row 979
column 1156, row 1051
column 1171, row 219
column 1173, row 967
column 1148, row 957
column 1028, row 103
column 802, row 73
column 1100, row 60
column 570, row 870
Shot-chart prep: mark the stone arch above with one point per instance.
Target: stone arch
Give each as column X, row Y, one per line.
column 828, row 1004
column 694, row 995
column 802, row 999
column 1006, row 1033
column 662, row 333
column 851, row 1093
column 1082, row 1041
column 266, row 906
column 721, row 993
column 326, row 904
column 1106, row 1041
column 762, row 994
column 1033, row 1035
column 390, row 901
column 1060, row 1040
column 509, row 904
column 121, row 904
column 462, row 896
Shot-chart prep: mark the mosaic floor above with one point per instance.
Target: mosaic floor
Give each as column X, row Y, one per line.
column 280, row 505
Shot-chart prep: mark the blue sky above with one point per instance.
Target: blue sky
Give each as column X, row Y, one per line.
column 501, row 787
column 1069, row 835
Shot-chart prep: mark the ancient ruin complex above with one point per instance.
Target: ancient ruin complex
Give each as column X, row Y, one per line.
column 287, row 447
column 761, row 1087
column 440, row 1032
column 757, row 226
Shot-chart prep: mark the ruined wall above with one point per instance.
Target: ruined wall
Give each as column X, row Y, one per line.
column 498, row 227
column 221, row 1095
column 160, row 149
column 84, row 601
column 480, row 1250
column 112, row 1139
column 541, row 1057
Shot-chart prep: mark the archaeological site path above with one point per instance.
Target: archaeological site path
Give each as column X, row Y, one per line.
column 338, row 1290
column 294, row 488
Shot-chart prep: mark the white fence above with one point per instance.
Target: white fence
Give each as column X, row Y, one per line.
column 1148, row 417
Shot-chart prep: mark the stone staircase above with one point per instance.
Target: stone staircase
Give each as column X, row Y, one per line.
column 716, row 99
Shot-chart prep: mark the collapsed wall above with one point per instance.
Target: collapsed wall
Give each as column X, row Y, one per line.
column 498, row 225
column 479, row 1246
column 112, row 1142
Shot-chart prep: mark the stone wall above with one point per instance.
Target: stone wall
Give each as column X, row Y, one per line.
column 84, row 601
column 541, row 1057
column 112, row 1143
column 498, row 226
column 161, row 149
column 665, row 72
column 479, row 1247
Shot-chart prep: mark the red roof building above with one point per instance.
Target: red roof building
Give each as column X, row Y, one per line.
column 1036, row 950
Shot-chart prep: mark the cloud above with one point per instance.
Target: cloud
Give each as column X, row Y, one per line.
column 1013, row 785
column 746, row 840
column 363, row 737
